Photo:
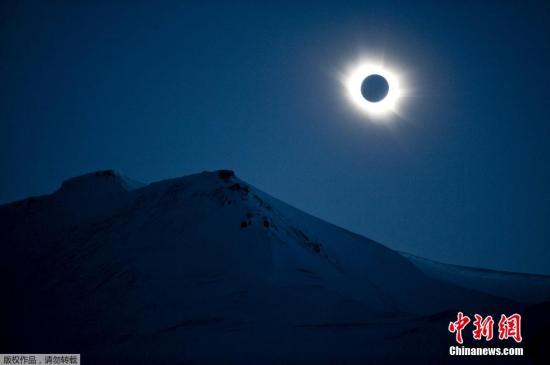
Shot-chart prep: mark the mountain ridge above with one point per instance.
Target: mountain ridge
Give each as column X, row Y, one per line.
column 209, row 261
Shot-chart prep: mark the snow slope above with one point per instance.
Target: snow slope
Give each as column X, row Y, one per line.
column 527, row 288
column 208, row 269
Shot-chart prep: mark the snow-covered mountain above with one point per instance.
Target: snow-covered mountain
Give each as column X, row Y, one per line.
column 208, row 269
column 520, row 287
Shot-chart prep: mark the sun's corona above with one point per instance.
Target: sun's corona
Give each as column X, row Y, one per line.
column 354, row 80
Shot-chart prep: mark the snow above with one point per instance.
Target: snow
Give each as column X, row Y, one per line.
column 208, row 269
column 526, row 288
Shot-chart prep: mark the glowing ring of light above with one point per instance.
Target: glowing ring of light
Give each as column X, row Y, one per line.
column 353, row 80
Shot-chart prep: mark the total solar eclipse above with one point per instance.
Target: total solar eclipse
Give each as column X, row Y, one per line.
column 375, row 88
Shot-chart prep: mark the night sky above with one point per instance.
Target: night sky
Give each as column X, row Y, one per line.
column 164, row 89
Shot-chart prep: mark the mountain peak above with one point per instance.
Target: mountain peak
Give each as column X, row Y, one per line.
column 102, row 178
column 209, row 259
column 225, row 174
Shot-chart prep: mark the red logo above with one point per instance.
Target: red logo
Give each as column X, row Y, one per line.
column 457, row 327
column 508, row 327
column 483, row 327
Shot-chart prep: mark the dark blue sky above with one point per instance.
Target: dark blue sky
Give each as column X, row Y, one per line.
column 163, row 89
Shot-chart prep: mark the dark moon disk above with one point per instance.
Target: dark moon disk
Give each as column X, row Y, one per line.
column 374, row 88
